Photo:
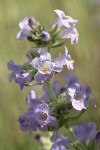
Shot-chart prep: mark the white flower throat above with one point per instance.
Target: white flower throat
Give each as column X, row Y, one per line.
column 46, row 67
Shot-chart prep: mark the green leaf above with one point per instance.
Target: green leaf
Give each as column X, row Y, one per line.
column 91, row 145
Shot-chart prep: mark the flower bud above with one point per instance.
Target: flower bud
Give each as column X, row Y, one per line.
column 45, row 36
column 32, row 22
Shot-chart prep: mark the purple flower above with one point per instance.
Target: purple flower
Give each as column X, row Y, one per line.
column 44, row 118
column 58, row 141
column 11, row 66
column 27, row 122
column 46, row 68
column 65, row 59
column 70, row 33
column 69, row 23
column 38, row 115
column 65, row 20
column 69, row 61
column 78, row 97
column 25, row 26
column 45, row 36
column 15, row 68
column 22, row 79
column 33, row 101
column 85, row 132
column 72, row 80
column 18, row 75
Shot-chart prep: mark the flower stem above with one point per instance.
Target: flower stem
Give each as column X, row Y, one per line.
column 51, row 92
column 73, row 136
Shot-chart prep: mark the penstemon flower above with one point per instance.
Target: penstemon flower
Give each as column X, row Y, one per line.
column 54, row 108
column 69, row 23
column 26, row 26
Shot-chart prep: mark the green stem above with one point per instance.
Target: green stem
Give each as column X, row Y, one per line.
column 73, row 136
column 51, row 92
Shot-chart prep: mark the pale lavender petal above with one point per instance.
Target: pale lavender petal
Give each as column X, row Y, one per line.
column 41, row 51
column 20, row 35
column 61, row 60
column 70, row 33
column 69, row 62
column 71, row 20
column 36, row 62
column 46, row 67
column 71, row 91
column 11, row 66
column 46, row 56
column 60, row 13
column 78, row 105
column 43, row 108
column 74, row 39
column 32, row 95
column 71, row 79
column 65, row 22
column 23, row 22
column 21, row 79
column 57, row 66
column 39, row 77
column 25, row 29
column 57, row 23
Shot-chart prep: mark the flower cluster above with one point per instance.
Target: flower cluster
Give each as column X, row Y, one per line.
column 54, row 109
column 86, row 133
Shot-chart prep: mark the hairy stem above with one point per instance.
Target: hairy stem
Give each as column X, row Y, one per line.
column 72, row 135
column 51, row 92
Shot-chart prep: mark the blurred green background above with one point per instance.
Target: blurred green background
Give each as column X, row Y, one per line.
column 86, row 55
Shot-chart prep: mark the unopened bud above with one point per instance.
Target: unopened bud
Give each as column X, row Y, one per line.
column 45, row 36
column 32, row 22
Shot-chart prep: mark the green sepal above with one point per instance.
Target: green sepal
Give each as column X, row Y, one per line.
column 35, row 38
column 53, row 30
column 31, row 55
column 57, row 44
column 28, row 68
column 41, row 28
column 72, row 118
